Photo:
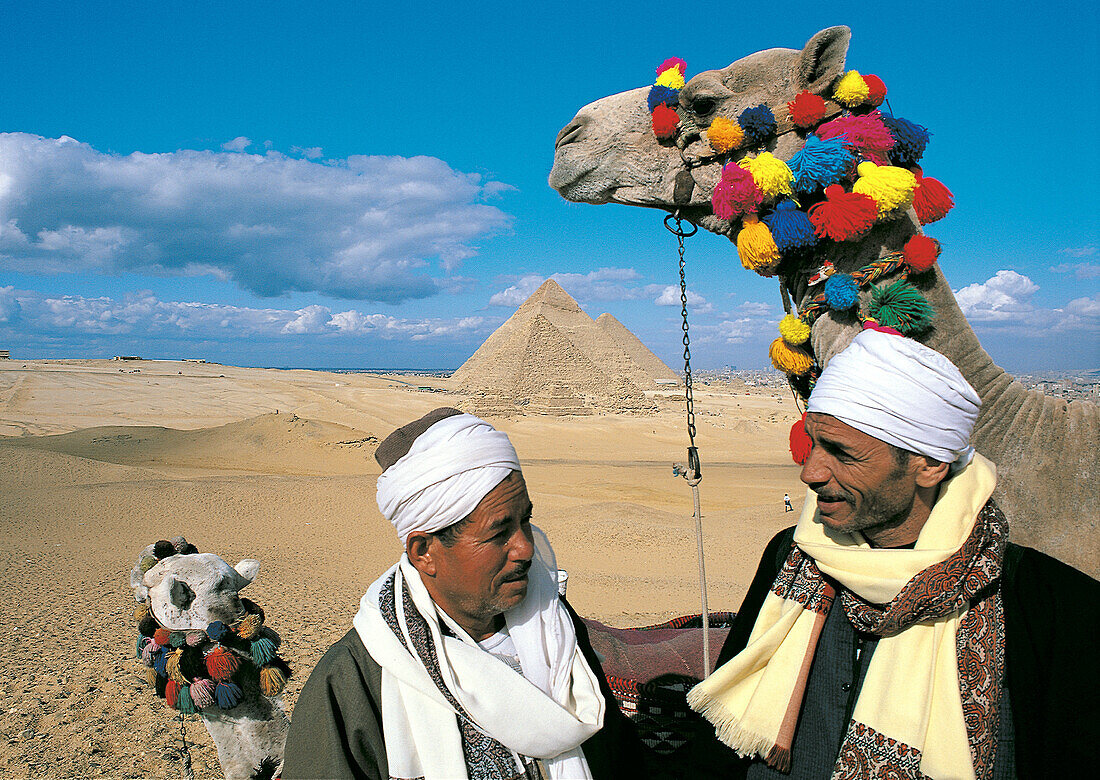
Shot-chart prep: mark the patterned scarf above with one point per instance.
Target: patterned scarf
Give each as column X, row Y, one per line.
column 929, row 704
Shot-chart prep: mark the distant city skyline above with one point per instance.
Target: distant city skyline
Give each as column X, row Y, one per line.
column 346, row 185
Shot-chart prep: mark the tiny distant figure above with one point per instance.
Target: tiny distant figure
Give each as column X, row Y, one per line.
column 787, row 503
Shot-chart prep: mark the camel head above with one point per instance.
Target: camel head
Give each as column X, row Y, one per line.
column 190, row 590
column 609, row 153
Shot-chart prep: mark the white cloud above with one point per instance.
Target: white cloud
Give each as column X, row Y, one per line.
column 1005, row 296
column 310, row 153
column 1079, row 251
column 143, row 314
column 238, row 144
column 1080, row 270
column 670, row 296
column 365, row 228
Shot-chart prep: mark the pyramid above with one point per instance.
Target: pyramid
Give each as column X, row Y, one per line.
column 550, row 357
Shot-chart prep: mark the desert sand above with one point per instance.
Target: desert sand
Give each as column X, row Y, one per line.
column 100, row 458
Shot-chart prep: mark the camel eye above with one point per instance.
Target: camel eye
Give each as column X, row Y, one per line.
column 702, row 106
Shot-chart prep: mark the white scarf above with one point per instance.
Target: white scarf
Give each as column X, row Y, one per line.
column 546, row 713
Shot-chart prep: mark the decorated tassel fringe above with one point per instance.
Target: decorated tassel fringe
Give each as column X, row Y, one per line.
column 779, row 759
column 221, row 664
column 151, row 676
column 202, row 693
column 820, row 163
column 272, row 681
column 172, row 692
column 865, row 133
column 793, row 330
column 227, row 695
column 890, row 187
column 931, row 200
column 843, row 216
column 800, row 441
column 185, row 703
column 771, row 174
column 902, row 307
column 160, row 661
column 172, row 666
column 756, row 247
column 910, row 140
column 724, row 135
column 263, row 650
column 248, row 627
column 788, row 359
column 790, row 228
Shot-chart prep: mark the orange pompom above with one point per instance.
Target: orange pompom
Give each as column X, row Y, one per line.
column 920, row 253
column 161, row 636
column 221, row 664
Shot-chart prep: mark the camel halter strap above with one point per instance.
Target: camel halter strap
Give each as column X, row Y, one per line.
column 694, row 471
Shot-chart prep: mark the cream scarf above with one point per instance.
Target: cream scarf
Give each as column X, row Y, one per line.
column 452, row 710
column 936, row 650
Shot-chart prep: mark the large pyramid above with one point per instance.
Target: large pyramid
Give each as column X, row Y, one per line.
column 552, row 358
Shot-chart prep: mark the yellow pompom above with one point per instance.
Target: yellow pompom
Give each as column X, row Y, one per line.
column 142, row 611
column 788, row 359
column 272, row 681
column 851, row 90
column 249, row 625
column 724, row 134
column 771, row 174
column 793, row 330
column 172, row 664
column 891, row 187
column 671, row 78
column 756, row 247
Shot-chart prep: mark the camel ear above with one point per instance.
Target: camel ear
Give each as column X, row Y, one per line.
column 247, row 571
column 822, row 59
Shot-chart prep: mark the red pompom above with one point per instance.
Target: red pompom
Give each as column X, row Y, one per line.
column 876, row 90
column 665, row 121
column 161, row 635
column 221, row 664
column 931, row 200
column 800, row 442
column 807, row 109
column 920, row 253
column 843, row 215
column 172, row 692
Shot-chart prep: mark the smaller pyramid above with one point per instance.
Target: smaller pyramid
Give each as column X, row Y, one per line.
column 550, row 357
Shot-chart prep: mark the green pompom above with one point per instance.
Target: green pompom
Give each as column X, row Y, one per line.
column 902, row 307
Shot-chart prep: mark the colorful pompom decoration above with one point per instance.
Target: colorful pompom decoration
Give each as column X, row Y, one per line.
column 665, row 122
column 672, row 62
column 172, row 666
column 843, row 216
column 177, row 639
column 227, row 695
column 807, row 109
column 263, row 650
column 801, row 444
column 172, row 692
column 185, row 703
column 820, row 163
column 758, row 124
column 890, row 187
column 851, row 90
column 673, row 78
column 865, row 133
column 272, row 681
column 793, row 330
column 790, row 360
column 662, row 96
column 876, row 90
column 162, row 636
column 841, row 292
column 217, row 630
column 790, row 227
column 248, row 626
column 931, row 200
column 221, row 664
column 902, row 307
column 771, row 174
column 920, row 253
column 202, row 693
column 724, row 135
column 910, row 140
column 756, row 247
column 736, row 193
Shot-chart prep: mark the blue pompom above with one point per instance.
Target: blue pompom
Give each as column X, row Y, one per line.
column 662, row 96
column 910, row 139
column 820, row 163
column 160, row 662
column 228, row 695
column 841, row 292
column 790, row 228
column 263, row 650
column 217, row 630
column 758, row 124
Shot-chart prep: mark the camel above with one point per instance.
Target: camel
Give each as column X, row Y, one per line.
column 1045, row 448
column 184, row 591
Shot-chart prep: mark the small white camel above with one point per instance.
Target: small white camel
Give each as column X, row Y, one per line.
column 188, row 593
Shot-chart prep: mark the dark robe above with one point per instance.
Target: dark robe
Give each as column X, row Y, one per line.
column 336, row 726
column 1052, row 627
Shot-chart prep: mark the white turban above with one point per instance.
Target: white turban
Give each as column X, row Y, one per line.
column 448, row 469
column 903, row 393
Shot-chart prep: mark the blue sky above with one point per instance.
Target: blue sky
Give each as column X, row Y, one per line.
column 362, row 185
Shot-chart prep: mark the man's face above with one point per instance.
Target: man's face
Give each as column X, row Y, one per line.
column 860, row 485
column 484, row 573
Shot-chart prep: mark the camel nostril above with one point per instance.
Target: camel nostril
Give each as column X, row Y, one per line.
column 571, row 132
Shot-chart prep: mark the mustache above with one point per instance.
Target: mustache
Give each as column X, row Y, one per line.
column 520, row 572
column 831, row 496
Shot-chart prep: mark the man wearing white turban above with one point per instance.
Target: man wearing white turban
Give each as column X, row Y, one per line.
column 894, row 631
column 463, row 661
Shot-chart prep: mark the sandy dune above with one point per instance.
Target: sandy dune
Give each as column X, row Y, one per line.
column 277, row 465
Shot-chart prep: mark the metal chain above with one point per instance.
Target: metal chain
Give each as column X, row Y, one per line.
column 689, row 400
column 186, row 772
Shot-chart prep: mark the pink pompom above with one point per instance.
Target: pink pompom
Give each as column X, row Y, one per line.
column 672, row 62
column 867, row 134
column 736, row 193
